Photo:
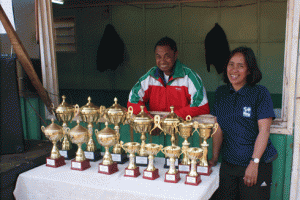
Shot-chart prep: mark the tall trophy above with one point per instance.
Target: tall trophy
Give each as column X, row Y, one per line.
column 116, row 115
column 90, row 114
column 54, row 133
column 141, row 123
column 205, row 133
column 65, row 113
column 131, row 147
column 107, row 137
column 193, row 178
column 173, row 152
column 79, row 135
column 169, row 125
column 151, row 172
column 185, row 131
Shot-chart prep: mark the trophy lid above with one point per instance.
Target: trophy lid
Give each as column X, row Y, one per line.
column 187, row 123
column 89, row 108
column 64, row 107
column 116, row 108
column 172, row 117
column 107, row 131
column 142, row 117
column 53, row 127
column 78, row 130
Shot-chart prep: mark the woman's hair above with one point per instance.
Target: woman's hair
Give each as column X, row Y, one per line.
column 255, row 74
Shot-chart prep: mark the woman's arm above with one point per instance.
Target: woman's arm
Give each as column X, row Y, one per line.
column 217, row 142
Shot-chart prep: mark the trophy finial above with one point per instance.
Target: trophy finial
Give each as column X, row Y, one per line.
column 64, row 98
column 52, row 120
column 89, row 99
column 172, row 109
column 106, row 123
column 115, row 100
column 142, row 108
column 78, row 121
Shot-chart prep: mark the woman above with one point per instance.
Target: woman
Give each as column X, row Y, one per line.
column 244, row 112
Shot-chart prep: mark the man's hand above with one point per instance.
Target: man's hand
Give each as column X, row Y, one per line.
column 251, row 173
column 213, row 162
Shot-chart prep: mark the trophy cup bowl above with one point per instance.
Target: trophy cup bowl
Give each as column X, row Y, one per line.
column 107, row 137
column 172, row 152
column 54, row 133
column 193, row 178
column 151, row 172
column 79, row 135
column 131, row 147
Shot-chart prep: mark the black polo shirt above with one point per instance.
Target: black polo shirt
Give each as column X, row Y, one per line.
column 238, row 114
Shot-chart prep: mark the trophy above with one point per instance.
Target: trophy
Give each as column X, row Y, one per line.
column 54, row 133
column 79, row 135
column 116, row 115
column 193, row 178
column 185, row 131
column 172, row 176
column 91, row 114
column 205, row 133
column 141, row 123
column 151, row 172
column 107, row 137
column 65, row 113
column 169, row 125
column 131, row 147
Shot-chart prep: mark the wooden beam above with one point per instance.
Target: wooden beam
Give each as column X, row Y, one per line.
column 24, row 59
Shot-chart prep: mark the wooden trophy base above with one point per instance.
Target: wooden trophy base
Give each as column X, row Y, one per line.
column 132, row 172
column 172, row 178
column 119, row 158
column 68, row 154
column 142, row 161
column 193, row 180
column 167, row 163
column 206, row 171
column 55, row 162
column 93, row 155
column 184, row 169
column 83, row 165
column 150, row 175
column 108, row 169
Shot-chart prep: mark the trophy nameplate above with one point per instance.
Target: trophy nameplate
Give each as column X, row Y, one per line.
column 141, row 160
column 193, row 180
column 83, row 165
column 184, row 168
column 119, row 158
column 108, row 169
column 172, row 178
column 151, row 175
column 68, row 154
column 132, row 172
column 206, row 171
column 167, row 163
column 55, row 162
column 93, row 155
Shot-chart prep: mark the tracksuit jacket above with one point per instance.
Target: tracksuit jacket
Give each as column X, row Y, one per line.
column 184, row 90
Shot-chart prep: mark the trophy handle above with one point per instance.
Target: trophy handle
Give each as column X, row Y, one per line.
column 121, row 144
column 188, row 118
column 156, row 123
column 43, row 129
column 102, row 111
column 216, row 126
column 162, row 150
column 96, row 131
column 76, row 110
column 196, row 126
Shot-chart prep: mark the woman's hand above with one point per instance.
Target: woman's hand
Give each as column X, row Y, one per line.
column 213, row 162
column 251, row 173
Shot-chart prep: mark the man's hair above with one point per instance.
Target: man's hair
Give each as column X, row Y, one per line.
column 166, row 41
column 255, row 74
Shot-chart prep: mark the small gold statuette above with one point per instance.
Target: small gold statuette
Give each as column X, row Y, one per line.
column 193, row 178
column 141, row 123
column 151, row 172
column 116, row 115
column 54, row 133
column 65, row 113
column 131, row 147
column 90, row 114
column 205, row 133
column 172, row 152
column 79, row 135
column 107, row 137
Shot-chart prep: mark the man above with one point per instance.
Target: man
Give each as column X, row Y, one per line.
column 169, row 83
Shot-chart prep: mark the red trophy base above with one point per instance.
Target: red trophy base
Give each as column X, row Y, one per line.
column 193, row 180
column 184, row 169
column 83, row 165
column 151, row 175
column 206, row 171
column 132, row 172
column 55, row 162
column 172, row 178
column 108, row 169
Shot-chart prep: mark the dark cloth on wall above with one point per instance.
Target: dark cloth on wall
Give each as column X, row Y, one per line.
column 110, row 52
column 216, row 48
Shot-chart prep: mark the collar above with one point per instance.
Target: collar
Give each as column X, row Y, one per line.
column 177, row 71
column 243, row 91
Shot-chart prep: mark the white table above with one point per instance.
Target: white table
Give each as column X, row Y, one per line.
column 63, row 183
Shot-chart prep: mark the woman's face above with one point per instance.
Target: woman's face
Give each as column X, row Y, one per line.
column 237, row 71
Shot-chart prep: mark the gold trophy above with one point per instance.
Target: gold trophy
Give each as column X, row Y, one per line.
column 205, row 133
column 79, row 135
column 65, row 113
column 151, row 172
column 107, row 137
column 141, row 123
column 169, row 125
column 193, row 178
column 116, row 115
column 131, row 147
column 91, row 114
column 54, row 133
column 172, row 176
column 185, row 131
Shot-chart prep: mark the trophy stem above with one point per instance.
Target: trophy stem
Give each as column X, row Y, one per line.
column 203, row 161
column 185, row 159
column 193, row 171
column 107, row 158
column 151, row 163
column 66, row 145
column 91, row 144
column 117, row 147
column 173, row 139
column 80, row 154
column 143, row 149
column 172, row 169
column 54, row 152
column 131, row 161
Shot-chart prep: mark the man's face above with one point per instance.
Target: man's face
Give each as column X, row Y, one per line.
column 165, row 58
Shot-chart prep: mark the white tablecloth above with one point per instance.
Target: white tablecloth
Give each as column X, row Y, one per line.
column 63, row 183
